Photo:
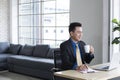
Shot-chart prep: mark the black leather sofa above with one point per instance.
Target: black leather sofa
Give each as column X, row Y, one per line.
column 31, row 60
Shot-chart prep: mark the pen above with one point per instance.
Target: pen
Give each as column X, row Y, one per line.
column 90, row 71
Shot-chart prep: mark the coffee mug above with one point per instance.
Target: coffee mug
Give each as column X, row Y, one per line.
column 87, row 48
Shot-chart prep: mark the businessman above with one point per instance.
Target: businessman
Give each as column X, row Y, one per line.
column 68, row 49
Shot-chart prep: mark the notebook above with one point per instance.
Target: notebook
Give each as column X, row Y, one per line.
column 114, row 63
column 90, row 70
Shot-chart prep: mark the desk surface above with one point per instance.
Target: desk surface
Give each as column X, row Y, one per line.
column 101, row 75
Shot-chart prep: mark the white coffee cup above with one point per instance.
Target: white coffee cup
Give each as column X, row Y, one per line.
column 87, row 48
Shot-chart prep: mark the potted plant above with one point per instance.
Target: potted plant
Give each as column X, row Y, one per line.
column 116, row 27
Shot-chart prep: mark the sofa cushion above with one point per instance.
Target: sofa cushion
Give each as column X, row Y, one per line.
column 50, row 54
column 41, row 50
column 32, row 62
column 14, row 48
column 4, row 46
column 27, row 50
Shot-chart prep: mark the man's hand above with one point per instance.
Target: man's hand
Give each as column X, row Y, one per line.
column 82, row 67
column 91, row 49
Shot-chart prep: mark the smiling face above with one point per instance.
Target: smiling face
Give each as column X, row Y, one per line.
column 76, row 34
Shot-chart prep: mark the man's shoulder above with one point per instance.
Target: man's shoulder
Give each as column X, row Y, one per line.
column 82, row 42
column 66, row 42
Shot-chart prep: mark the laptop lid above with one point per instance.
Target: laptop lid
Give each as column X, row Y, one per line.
column 114, row 63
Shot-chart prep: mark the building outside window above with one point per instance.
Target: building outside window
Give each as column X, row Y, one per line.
column 43, row 21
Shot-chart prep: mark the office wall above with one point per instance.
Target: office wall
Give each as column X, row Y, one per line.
column 90, row 13
column 4, row 20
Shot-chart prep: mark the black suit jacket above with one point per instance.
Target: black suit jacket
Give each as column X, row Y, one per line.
column 67, row 54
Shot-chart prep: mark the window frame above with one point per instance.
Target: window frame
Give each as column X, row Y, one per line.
column 41, row 26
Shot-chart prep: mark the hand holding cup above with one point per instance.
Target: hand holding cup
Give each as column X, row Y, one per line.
column 88, row 49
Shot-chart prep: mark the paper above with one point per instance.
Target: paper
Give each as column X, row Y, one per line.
column 89, row 70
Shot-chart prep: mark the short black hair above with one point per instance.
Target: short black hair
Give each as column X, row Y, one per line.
column 73, row 25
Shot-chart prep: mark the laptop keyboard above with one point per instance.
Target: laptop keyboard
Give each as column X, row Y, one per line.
column 106, row 67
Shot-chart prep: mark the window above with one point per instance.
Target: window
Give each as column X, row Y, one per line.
column 43, row 21
column 115, row 13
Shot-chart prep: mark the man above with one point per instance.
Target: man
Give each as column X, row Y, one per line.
column 68, row 49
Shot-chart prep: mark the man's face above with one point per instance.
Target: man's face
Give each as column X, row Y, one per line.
column 77, row 34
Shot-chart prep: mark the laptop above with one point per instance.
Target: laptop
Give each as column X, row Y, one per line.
column 114, row 63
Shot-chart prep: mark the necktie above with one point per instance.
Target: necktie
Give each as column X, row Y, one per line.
column 78, row 56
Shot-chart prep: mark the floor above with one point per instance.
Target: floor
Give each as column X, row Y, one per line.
column 5, row 75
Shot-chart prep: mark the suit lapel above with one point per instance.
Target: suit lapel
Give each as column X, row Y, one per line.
column 71, row 48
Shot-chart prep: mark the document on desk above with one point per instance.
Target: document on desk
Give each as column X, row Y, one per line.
column 89, row 70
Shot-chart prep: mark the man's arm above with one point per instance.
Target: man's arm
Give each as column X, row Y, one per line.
column 65, row 55
column 87, row 56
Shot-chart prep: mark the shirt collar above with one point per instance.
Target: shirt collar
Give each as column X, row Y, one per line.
column 73, row 42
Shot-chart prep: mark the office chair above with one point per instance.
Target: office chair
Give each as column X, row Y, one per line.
column 57, row 60
column 57, row 64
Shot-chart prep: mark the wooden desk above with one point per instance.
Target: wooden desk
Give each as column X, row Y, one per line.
column 101, row 75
